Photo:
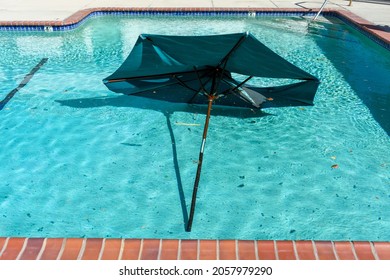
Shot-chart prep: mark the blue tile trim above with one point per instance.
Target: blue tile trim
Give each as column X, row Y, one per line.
column 221, row 13
column 154, row 13
column 21, row 28
column 182, row 13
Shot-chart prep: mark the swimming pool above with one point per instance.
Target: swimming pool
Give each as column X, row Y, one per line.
column 78, row 160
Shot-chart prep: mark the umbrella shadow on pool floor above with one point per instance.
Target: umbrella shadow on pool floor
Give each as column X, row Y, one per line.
column 160, row 106
column 167, row 109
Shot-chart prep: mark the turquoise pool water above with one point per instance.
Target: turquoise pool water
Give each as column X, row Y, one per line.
column 80, row 161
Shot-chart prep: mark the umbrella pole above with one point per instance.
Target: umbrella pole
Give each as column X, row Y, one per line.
column 200, row 161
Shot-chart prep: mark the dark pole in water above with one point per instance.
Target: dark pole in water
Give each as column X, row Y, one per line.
column 200, row 161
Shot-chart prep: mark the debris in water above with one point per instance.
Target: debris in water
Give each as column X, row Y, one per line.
column 187, row 124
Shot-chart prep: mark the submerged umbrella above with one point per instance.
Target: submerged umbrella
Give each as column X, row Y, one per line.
column 198, row 70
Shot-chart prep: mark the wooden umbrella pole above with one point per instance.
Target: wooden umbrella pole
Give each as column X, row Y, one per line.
column 200, row 161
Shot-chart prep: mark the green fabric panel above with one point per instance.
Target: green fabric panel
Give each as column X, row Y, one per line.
column 157, row 54
column 253, row 58
column 177, row 68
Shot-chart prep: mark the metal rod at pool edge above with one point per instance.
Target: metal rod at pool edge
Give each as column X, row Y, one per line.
column 200, row 161
column 319, row 12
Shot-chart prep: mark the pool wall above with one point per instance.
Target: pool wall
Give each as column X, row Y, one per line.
column 372, row 31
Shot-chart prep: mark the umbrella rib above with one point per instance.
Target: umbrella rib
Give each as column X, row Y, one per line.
column 200, row 81
column 203, row 90
column 196, row 93
column 226, row 58
column 183, row 84
column 231, row 90
column 148, row 76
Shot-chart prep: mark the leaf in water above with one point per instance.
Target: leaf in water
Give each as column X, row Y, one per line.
column 132, row 145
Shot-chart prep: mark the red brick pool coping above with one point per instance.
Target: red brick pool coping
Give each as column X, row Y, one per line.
column 176, row 249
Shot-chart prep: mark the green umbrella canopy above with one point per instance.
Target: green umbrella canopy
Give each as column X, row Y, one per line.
column 187, row 68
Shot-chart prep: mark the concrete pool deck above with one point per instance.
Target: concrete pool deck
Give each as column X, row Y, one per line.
column 35, row 10
column 373, row 16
